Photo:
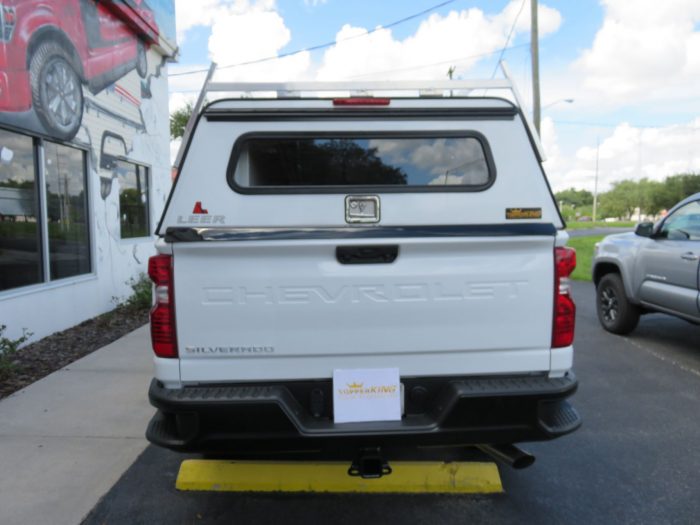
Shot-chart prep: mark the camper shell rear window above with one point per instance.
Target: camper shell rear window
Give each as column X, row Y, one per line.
column 339, row 162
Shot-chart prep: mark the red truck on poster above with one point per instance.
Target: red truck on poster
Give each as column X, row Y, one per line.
column 50, row 49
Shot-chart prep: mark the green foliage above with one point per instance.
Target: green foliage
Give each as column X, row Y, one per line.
column 178, row 120
column 625, row 196
column 575, row 198
column 620, row 201
column 587, row 225
column 19, row 184
column 8, row 351
column 141, row 298
column 584, row 255
column 571, row 213
column 676, row 188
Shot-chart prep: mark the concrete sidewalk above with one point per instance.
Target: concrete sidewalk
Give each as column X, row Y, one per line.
column 66, row 439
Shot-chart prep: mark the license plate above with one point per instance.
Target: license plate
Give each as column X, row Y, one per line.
column 367, row 394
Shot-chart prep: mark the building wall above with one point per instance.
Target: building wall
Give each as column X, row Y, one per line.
column 123, row 129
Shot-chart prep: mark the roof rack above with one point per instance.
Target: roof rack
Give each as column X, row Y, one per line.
column 429, row 88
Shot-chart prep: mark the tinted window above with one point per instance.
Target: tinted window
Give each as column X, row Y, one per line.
column 66, row 200
column 20, row 246
column 133, row 200
column 684, row 224
column 351, row 161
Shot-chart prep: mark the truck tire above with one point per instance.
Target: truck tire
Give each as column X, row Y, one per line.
column 615, row 312
column 57, row 92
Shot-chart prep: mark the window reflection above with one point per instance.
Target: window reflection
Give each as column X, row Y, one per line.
column 133, row 200
column 20, row 244
column 354, row 161
column 66, row 200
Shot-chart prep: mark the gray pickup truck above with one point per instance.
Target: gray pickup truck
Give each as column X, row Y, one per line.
column 654, row 269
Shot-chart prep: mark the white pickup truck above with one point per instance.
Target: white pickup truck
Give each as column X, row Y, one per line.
column 308, row 236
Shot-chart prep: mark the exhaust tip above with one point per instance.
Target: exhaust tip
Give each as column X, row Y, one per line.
column 510, row 455
column 524, row 461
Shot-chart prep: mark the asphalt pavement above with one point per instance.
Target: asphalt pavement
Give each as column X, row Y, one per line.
column 635, row 459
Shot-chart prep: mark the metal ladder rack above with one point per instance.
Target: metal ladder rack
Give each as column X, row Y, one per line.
column 398, row 89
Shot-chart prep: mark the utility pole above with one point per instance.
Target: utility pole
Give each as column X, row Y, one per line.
column 535, row 53
column 595, row 186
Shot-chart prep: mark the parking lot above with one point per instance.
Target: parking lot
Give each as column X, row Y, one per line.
column 635, row 459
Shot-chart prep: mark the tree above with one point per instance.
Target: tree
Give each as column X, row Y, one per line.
column 575, row 198
column 179, row 119
column 676, row 188
column 620, row 201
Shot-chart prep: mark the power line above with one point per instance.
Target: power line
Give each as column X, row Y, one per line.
column 422, row 66
column 453, row 60
column 510, row 34
column 605, row 124
column 321, row 46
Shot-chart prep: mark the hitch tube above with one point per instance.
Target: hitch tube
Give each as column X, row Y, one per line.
column 510, row 455
column 369, row 464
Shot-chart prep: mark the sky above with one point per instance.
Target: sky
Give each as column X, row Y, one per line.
column 632, row 68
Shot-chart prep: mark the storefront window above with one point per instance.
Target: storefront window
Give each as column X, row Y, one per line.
column 66, row 199
column 20, row 240
column 133, row 200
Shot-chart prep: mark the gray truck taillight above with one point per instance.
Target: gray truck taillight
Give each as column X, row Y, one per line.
column 160, row 270
column 564, row 307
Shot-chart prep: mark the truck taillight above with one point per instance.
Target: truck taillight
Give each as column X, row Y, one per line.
column 564, row 307
column 160, row 270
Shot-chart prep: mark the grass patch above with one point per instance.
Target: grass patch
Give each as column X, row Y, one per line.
column 573, row 225
column 584, row 255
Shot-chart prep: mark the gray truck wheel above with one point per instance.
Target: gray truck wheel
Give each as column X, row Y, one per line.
column 57, row 93
column 615, row 313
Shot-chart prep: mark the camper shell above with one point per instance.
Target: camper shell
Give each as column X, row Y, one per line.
column 383, row 228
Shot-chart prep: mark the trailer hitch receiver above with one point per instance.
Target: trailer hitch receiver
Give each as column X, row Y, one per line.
column 369, row 464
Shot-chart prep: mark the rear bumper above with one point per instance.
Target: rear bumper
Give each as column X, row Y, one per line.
column 298, row 415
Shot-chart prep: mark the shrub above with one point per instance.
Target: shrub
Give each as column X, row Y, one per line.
column 8, row 350
column 141, row 298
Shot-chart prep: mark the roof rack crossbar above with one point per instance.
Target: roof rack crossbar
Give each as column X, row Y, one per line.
column 425, row 88
column 364, row 87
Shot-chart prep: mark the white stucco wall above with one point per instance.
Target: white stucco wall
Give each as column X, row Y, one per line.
column 50, row 307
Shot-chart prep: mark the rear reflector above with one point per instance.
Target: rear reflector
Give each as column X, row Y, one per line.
column 160, row 270
column 564, row 308
column 361, row 101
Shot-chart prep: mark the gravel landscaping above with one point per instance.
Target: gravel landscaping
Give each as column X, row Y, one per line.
column 52, row 353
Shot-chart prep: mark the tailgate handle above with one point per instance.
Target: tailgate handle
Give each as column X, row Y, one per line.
column 384, row 254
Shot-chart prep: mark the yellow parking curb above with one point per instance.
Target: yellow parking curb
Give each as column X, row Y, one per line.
column 295, row 476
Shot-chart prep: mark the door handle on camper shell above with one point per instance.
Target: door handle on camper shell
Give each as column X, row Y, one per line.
column 384, row 254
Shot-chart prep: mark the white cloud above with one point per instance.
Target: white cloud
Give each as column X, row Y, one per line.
column 257, row 32
column 244, row 31
column 189, row 14
column 439, row 38
column 628, row 153
column 644, row 49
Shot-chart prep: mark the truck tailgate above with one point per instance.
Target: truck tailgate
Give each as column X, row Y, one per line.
column 447, row 305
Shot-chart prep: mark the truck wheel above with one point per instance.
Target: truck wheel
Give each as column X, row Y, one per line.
column 57, row 94
column 615, row 312
column 141, row 60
